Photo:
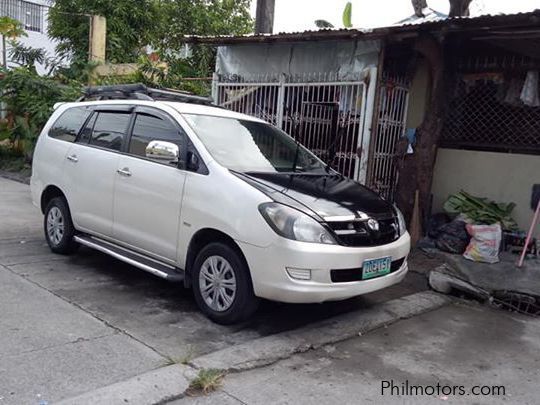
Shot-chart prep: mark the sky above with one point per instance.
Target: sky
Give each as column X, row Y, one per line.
column 299, row 15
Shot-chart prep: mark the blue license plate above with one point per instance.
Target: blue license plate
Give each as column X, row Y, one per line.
column 376, row 267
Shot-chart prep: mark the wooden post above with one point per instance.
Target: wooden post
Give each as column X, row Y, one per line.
column 97, row 42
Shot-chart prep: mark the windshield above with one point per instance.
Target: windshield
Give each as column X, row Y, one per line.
column 249, row 146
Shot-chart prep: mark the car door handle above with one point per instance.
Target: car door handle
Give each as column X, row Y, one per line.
column 73, row 158
column 124, row 172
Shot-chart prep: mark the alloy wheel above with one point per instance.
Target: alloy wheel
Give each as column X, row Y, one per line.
column 55, row 225
column 217, row 283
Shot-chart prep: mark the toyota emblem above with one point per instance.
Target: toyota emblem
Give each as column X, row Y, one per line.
column 373, row 224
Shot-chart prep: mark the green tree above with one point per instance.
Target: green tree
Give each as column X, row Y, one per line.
column 131, row 25
column 162, row 24
column 202, row 17
column 198, row 17
column 9, row 29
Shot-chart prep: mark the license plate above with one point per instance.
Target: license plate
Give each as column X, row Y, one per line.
column 376, row 267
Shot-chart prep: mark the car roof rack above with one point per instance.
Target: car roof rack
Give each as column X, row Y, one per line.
column 139, row 91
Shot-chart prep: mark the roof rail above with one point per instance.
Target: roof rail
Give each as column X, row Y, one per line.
column 139, row 91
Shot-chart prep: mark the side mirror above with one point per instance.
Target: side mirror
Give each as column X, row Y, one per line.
column 163, row 152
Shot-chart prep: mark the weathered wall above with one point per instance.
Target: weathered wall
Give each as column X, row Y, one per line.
column 503, row 177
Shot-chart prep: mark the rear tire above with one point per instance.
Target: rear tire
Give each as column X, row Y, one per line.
column 58, row 227
column 222, row 284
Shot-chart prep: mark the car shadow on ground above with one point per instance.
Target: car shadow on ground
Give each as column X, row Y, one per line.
column 164, row 315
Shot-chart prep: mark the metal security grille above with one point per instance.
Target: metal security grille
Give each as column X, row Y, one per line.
column 390, row 126
column 30, row 15
column 321, row 112
column 487, row 114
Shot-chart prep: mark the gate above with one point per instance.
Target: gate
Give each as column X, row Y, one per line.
column 390, row 125
column 324, row 114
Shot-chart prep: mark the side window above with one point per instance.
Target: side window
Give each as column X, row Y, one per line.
column 110, row 129
column 152, row 128
column 68, row 125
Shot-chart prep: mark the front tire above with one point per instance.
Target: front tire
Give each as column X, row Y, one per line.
column 58, row 227
column 222, row 284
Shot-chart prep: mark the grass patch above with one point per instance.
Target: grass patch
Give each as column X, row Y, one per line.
column 188, row 356
column 207, row 380
column 185, row 359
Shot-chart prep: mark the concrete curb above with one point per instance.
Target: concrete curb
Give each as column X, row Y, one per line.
column 153, row 387
column 170, row 382
column 269, row 349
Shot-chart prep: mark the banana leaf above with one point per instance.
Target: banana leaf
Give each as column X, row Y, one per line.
column 481, row 210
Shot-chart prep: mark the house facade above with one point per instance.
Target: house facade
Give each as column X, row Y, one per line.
column 489, row 128
column 33, row 15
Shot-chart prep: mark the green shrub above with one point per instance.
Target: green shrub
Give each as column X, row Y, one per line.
column 30, row 99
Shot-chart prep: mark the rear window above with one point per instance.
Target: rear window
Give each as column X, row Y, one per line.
column 68, row 125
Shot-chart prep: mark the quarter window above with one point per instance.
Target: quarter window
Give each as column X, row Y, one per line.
column 151, row 128
column 69, row 124
column 110, row 129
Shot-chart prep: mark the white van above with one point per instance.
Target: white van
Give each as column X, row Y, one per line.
column 226, row 202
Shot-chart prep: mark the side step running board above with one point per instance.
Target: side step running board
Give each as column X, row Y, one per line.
column 135, row 259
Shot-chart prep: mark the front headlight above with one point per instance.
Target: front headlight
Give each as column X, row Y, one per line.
column 401, row 221
column 293, row 224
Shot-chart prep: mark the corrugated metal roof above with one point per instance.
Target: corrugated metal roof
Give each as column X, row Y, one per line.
column 430, row 15
column 433, row 23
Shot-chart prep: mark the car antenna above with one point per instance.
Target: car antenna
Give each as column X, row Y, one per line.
column 296, row 154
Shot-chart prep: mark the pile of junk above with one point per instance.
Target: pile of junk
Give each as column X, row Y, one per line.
column 484, row 253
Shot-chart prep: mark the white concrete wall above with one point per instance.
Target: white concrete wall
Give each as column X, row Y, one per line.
column 503, row 177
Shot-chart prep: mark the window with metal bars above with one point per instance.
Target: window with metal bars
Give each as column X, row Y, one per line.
column 30, row 15
column 487, row 113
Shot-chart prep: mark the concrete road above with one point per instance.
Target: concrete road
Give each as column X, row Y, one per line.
column 459, row 345
column 72, row 324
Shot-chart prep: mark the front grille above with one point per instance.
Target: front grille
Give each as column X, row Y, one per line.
column 356, row 233
column 346, row 275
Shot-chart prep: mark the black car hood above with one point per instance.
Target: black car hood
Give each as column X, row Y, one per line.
column 323, row 194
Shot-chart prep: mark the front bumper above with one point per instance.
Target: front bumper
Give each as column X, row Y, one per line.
column 271, row 281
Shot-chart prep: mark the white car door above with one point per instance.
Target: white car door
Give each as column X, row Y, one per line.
column 91, row 170
column 148, row 192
